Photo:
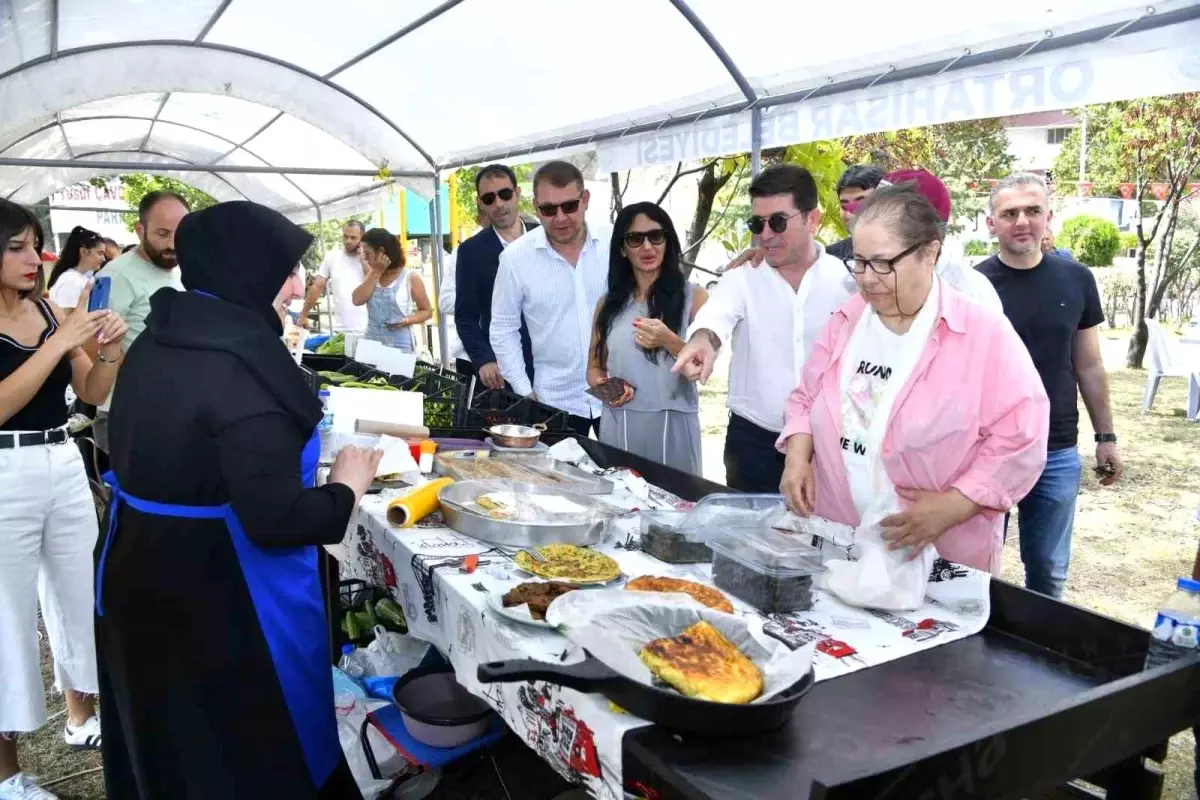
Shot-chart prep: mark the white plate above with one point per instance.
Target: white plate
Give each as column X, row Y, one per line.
column 515, row 613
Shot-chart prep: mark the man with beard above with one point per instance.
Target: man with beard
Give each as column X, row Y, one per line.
column 553, row 278
column 773, row 316
column 477, row 261
column 343, row 270
column 141, row 272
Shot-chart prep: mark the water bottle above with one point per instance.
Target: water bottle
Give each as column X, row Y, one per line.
column 350, row 663
column 1176, row 630
column 325, row 428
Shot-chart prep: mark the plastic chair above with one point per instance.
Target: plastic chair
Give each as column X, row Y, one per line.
column 1169, row 359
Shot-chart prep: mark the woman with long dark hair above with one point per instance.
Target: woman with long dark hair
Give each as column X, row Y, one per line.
column 394, row 295
column 82, row 255
column 636, row 336
column 47, row 518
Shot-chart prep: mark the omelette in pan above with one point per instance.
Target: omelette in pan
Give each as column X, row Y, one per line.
column 701, row 663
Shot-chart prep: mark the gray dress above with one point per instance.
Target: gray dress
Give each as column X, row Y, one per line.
column 662, row 421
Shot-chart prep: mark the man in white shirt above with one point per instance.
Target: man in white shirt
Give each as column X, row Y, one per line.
column 446, row 300
column 345, row 271
column 553, row 277
column 773, row 316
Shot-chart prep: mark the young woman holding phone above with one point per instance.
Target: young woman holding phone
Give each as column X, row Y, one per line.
column 47, row 518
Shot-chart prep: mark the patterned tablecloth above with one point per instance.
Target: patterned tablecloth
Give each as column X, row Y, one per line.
column 579, row 734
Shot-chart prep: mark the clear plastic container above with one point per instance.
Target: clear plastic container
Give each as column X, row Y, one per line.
column 724, row 512
column 662, row 539
column 771, row 571
column 1176, row 631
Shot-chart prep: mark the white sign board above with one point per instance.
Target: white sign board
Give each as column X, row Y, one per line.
column 1161, row 62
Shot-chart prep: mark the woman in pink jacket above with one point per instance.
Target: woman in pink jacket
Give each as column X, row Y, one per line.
column 918, row 409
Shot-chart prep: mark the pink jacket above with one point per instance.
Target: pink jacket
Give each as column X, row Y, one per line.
column 973, row 416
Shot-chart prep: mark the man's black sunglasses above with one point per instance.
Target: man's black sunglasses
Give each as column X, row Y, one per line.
column 635, row 239
column 550, row 210
column 487, row 198
column 777, row 221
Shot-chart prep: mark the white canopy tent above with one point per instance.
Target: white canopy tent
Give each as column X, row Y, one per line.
column 315, row 108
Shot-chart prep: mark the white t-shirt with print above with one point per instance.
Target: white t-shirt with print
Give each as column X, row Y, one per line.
column 876, row 365
column 345, row 274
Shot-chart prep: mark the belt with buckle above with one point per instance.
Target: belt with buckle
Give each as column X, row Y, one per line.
column 8, row 441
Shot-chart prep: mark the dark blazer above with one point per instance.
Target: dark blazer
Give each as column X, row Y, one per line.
column 477, row 262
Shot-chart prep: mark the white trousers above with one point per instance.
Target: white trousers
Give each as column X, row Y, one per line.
column 48, row 530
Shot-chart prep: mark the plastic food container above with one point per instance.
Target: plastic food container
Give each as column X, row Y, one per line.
column 437, row 711
column 771, row 571
column 662, row 538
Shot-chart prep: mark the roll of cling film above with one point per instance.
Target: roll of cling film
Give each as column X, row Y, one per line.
column 409, row 509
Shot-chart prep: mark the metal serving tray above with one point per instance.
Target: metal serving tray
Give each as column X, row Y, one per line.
column 560, row 476
column 456, row 498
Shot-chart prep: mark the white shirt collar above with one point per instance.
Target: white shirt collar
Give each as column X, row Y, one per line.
column 503, row 242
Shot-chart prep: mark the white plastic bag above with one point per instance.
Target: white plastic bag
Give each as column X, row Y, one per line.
column 351, row 713
column 880, row 578
column 392, row 654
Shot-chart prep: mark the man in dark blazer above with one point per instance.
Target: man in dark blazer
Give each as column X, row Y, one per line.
column 478, row 259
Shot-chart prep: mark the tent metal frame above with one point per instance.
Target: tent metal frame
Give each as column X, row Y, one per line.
column 751, row 100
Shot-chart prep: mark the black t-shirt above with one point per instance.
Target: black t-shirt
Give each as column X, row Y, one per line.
column 1048, row 305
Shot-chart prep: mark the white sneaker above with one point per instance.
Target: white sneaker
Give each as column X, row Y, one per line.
column 85, row 737
column 23, row 787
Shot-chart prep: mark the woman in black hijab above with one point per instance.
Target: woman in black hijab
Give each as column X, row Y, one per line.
column 210, row 624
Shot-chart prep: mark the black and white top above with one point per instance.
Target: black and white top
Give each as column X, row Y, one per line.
column 47, row 409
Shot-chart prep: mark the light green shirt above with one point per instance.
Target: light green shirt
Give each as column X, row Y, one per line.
column 134, row 280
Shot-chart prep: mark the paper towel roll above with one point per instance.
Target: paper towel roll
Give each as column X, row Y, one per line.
column 411, row 508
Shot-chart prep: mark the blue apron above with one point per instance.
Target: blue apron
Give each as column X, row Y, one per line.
column 285, row 588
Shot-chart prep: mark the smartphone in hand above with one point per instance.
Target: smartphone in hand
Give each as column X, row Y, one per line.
column 101, row 291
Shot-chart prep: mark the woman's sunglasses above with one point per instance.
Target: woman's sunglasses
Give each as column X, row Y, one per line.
column 635, row 239
column 550, row 210
column 778, row 222
column 487, row 198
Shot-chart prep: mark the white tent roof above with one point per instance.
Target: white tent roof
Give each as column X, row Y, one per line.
column 421, row 86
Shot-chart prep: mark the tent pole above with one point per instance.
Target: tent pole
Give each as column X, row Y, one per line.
column 435, row 246
column 155, row 166
column 755, row 141
column 321, row 241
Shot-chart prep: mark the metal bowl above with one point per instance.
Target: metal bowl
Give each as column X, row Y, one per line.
column 456, row 498
column 515, row 435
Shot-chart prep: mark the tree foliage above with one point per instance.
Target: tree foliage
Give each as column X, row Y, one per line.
column 1092, row 240
column 963, row 154
column 1145, row 142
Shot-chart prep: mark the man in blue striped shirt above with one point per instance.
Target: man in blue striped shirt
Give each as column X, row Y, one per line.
column 553, row 276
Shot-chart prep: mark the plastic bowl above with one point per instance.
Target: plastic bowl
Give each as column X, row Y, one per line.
column 437, row 711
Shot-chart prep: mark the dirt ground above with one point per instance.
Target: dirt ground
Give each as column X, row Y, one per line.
column 1131, row 541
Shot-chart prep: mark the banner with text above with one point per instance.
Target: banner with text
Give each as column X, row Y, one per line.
column 1158, row 62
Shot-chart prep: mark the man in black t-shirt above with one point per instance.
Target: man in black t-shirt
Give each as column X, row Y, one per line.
column 1055, row 307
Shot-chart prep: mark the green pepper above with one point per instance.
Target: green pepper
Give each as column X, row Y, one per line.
column 392, row 615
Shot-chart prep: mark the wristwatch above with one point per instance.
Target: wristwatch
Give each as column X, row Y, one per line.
column 1106, row 437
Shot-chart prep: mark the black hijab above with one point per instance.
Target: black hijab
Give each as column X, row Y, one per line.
column 233, row 259
column 242, row 253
